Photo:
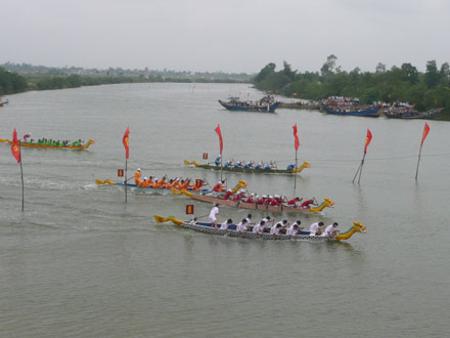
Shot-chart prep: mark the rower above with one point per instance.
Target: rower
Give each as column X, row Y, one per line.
column 315, row 229
column 219, row 186
column 331, row 230
column 213, row 214
column 242, row 225
column 137, row 176
column 293, row 228
column 258, row 228
column 226, row 224
column 275, row 230
column 306, row 204
column 218, row 161
column 249, row 218
column 228, row 194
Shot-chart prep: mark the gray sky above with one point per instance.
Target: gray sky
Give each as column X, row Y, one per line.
column 228, row 35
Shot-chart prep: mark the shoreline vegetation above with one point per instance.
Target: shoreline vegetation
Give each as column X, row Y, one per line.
column 425, row 90
column 17, row 78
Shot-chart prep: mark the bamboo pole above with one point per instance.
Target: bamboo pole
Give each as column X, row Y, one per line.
column 418, row 161
column 23, row 186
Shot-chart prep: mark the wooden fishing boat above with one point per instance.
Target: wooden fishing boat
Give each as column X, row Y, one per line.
column 83, row 146
column 2, row 103
column 207, row 228
column 411, row 114
column 326, row 203
column 266, row 105
column 212, row 166
column 370, row 111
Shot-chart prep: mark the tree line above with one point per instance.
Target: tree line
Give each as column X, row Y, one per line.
column 12, row 82
column 427, row 90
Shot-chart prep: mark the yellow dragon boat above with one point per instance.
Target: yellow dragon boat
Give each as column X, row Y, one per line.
column 82, row 146
column 357, row 227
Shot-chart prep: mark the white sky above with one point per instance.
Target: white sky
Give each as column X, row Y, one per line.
column 227, row 35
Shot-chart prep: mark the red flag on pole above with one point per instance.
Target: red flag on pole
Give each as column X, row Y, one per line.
column 296, row 141
column 126, row 143
column 15, row 147
column 426, row 130
column 368, row 140
column 219, row 133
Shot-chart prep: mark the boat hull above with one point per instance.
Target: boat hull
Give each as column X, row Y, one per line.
column 247, row 170
column 81, row 147
column 231, row 232
column 270, row 108
column 251, row 206
column 368, row 112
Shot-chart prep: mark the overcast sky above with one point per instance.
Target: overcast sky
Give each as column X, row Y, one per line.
column 227, row 35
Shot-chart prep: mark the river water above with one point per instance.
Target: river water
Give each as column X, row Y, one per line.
column 81, row 263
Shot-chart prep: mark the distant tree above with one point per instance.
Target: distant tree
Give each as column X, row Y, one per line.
column 268, row 70
column 410, row 73
column 380, row 68
column 287, row 70
column 445, row 73
column 329, row 66
column 432, row 75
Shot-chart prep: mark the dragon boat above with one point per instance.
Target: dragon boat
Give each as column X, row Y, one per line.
column 80, row 147
column 207, row 228
column 208, row 198
column 133, row 186
column 213, row 166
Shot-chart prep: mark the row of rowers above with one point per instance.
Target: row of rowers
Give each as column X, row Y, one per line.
column 273, row 200
column 164, row 183
column 268, row 225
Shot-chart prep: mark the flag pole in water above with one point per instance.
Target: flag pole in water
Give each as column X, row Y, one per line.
column 426, row 130
column 219, row 134
column 126, row 144
column 296, row 146
column 296, row 143
column 15, row 150
column 366, row 145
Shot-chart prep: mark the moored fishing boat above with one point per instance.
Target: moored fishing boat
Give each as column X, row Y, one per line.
column 367, row 111
column 2, row 103
column 292, row 170
column 266, row 105
column 208, row 228
column 69, row 146
column 409, row 113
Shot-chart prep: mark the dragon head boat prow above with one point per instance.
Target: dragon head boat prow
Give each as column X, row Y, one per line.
column 356, row 227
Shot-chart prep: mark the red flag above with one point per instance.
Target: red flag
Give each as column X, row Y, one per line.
column 219, row 133
column 126, row 142
column 15, row 147
column 426, row 130
column 368, row 140
column 296, row 141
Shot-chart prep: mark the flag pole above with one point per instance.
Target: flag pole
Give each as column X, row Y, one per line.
column 418, row 161
column 362, row 165
column 126, row 180
column 221, row 167
column 23, row 186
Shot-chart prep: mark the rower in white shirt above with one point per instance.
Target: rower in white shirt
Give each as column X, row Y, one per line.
column 275, row 229
column 330, row 231
column 258, row 228
column 213, row 214
column 314, row 229
column 242, row 226
column 226, row 224
column 293, row 228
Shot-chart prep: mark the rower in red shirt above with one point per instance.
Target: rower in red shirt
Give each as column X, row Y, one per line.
column 219, row 186
column 306, row 204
